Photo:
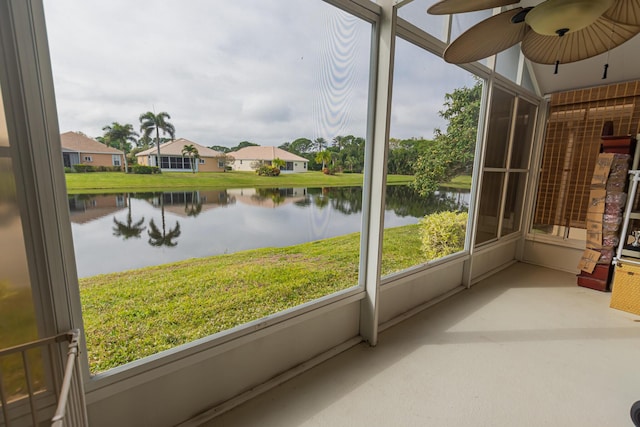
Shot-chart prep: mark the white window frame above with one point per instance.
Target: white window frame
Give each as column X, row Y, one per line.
column 115, row 158
column 87, row 159
column 51, row 238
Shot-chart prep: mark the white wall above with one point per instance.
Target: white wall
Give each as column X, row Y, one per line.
column 556, row 255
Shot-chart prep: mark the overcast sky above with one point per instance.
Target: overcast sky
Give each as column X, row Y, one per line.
column 264, row 71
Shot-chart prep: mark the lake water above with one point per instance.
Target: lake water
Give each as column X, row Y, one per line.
column 118, row 232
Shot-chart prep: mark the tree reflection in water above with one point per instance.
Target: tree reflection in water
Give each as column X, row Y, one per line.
column 193, row 207
column 129, row 229
column 159, row 237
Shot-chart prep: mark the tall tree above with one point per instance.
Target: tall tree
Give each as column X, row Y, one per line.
column 150, row 122
column 339, row 142
column 320, row 143
column 220, row 148
column 191, row 152
column 452, row 152
column 120, row 136
column 301, row 145
column 243, row 144
column 324, row 157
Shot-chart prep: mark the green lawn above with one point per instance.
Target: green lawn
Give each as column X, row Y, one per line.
column 462, row 182
column 133, row 314
column 120, row 182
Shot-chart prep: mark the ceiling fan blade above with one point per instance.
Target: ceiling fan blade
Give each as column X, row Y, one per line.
column 624, row 12
column 593, row 40
column 446, row 7
column 486, row 38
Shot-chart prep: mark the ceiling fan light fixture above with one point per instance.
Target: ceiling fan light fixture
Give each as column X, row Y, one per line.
column 552, row 16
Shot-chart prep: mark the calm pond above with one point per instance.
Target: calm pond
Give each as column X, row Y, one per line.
column 118, row 232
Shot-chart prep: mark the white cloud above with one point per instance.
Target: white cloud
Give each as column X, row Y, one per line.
column 225, row 71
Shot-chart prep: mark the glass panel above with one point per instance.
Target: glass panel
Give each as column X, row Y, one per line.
column 523, row 134
column 489, row 209
column 513, row 206
column 434, row 117
column 17, row 311
column 527, row 82
column 16, row 307
column 181, row 265
column 416, row 13
column 507, row 62
column 498, row 133
column 461, row 22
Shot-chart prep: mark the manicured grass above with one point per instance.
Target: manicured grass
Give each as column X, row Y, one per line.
column 121, row 182
column 133, row 314
column 462, row 182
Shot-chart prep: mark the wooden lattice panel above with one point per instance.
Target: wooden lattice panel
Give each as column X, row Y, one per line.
column 572, row 144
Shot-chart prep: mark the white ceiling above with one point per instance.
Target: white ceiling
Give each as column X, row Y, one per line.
column 624, row 65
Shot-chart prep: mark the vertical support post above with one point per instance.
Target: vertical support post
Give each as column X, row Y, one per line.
column 375, row 182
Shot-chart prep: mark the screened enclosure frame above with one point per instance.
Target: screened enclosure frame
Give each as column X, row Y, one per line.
column 43, row 179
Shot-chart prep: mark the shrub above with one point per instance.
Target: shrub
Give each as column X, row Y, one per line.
column 329, row 170
column 108, row 168
column 443, row 233
column 266, row 170
column 84, row 168
column 145, row 170
column 68, row 170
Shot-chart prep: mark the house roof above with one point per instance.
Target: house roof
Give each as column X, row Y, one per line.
column 174, row 148
column 77, row 142
column 265, row 153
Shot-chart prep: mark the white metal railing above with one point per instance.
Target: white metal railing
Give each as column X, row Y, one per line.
column 69, row 393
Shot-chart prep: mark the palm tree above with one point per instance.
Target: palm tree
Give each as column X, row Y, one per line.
column 158, row 122
column 192, row 153
column 350, row 161
column 324, row 157
column 278, row 163
column 159, row 237
column 320, row 142
column 129, row 229
column 120, row 135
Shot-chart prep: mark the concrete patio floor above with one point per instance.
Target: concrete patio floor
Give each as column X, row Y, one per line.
column 526, row 347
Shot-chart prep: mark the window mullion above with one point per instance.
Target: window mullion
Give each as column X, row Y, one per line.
column 375, row 175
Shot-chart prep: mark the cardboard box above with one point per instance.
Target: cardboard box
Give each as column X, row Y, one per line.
column 589, row 260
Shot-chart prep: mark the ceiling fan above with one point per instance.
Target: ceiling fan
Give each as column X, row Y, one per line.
column 552, row 32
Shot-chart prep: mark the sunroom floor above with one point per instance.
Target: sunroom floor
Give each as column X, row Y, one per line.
column 525, row 347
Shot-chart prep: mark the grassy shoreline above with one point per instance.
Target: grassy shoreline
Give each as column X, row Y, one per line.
column 119, row 182
column 132, row 314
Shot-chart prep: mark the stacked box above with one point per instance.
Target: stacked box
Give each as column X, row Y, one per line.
column 604, row 216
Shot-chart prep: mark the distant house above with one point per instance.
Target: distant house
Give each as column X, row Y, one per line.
column 80, row 149
column 246, row 158
column 172, row 159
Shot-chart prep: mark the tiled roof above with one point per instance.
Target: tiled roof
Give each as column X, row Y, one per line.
column 174, row 148
column 265, row 153
column 77, row 142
